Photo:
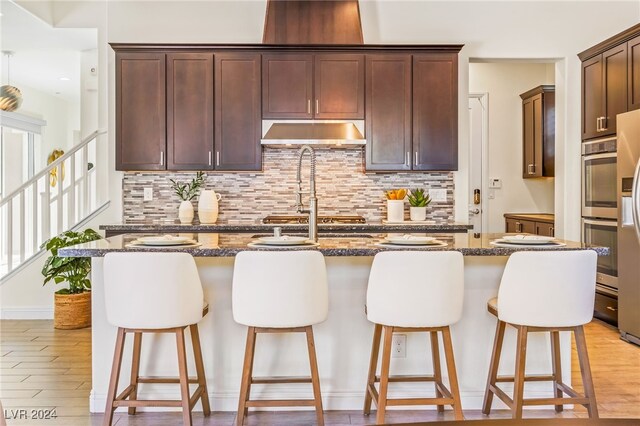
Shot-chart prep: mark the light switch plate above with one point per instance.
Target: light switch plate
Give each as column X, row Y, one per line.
column 148, row 194
column 495, row 183
column 438, row 195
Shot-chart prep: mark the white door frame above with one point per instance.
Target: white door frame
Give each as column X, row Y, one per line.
column 484, row 167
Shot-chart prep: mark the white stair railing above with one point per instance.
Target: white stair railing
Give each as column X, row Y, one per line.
column 54, row 200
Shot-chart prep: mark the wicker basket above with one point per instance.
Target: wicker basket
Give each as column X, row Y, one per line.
column 72, row 311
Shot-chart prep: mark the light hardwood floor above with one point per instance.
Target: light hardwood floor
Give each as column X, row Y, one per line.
column 42, row 368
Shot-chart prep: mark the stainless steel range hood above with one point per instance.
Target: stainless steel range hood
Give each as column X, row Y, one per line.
column 313, row 132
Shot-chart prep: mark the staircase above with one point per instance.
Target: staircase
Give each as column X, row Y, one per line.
column 63, row 196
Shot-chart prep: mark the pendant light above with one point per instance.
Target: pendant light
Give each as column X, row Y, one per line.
column 10, row 96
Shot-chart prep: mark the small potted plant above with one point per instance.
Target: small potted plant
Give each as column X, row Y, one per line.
column 187, row 192
column 395, row 205
column 418, row 201
column 72, row 305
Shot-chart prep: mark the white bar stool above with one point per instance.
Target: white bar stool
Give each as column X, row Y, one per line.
column 398, row 300
column 548, row 292
column 279, row 292
column 154, row 293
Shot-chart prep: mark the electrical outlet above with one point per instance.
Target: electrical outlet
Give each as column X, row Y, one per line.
column 399, row 346
column 495, row 183
column 148, row 194
column 438, row 195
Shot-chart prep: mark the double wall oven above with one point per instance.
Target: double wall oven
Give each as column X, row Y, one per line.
column 599, row 219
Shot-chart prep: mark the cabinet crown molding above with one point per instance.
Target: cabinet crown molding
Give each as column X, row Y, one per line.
column 613, row 41
column 545, row 88
column 361, row 48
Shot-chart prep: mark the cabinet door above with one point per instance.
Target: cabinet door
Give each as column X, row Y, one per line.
column 189, row 111
column 633, row 76
column 435, row 112
column 339, row 86
column 614, row 67
column 510, row 226
column 237, row 111
column 592, row 97
column 532, row 136
column 388, row 112
column 544, row 228
column 287, row 86
column 140, row 111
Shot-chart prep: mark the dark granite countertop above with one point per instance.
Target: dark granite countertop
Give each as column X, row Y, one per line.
column 254, row 226
column 229, row 244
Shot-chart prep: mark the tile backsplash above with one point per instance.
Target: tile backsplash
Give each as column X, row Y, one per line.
column 342, row 188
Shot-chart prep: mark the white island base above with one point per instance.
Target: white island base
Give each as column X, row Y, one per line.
column 343, row 344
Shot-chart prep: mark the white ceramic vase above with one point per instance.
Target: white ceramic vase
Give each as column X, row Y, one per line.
column 418, row 213
column 395, row 210
column 208, row 206
column 185, row 212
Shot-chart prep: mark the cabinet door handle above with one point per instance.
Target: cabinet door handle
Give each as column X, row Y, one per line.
column 162, row 158
column 210, row 157
column 531, row 169
column 308, row 106
column 605, row 123
column 518, row 227
column 317, row 106
column 407, row 159
column 415, row 156
column 552, row 231
column 217, row 158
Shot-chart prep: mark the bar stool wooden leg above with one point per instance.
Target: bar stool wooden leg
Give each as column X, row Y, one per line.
column 493, row 367
column 373, row 366
column 585, row 371
column 135, row 369
column 115, row 375
column 556, row 366
column 202, row 380
column 315, row 379
column 518, row 385
column 453, row 375
column 247, row 372
column 184, row 377
column 384, row 374
column 437, row 370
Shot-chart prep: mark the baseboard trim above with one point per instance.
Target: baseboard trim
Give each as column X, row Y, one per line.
column 26, row 313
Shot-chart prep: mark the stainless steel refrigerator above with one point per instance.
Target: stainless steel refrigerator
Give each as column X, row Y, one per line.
column 628, row 181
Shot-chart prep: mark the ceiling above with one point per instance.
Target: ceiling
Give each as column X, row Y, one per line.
column 42, row 54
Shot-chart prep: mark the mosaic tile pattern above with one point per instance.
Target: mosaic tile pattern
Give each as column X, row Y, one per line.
column 342, row 188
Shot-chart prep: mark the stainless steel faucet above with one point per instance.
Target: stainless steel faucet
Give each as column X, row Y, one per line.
column 313, row 201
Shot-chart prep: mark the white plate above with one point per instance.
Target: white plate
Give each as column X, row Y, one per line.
column 284, row 240
column 258, row 244
column 502, row 243
column 409, row 222
column 435, row 244
column 527, row 239
column 410, row 240
column 165, row 240
column 135, row 244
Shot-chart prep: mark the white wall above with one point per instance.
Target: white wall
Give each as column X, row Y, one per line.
column 504, row 82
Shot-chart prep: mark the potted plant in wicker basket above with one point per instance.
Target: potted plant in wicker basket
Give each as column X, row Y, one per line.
column 72, row 305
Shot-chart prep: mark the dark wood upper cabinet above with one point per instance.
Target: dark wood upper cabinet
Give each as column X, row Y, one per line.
column 287, row 86
column 140, row 111
column 237, row 111
column 435, row 111
column 604, row 92
column 190, row 111
column 614, row 67
column 633, row 73
column 592, row 97
column 538, row 132
column 305, row 86
column 339, row 86
column 388, row 112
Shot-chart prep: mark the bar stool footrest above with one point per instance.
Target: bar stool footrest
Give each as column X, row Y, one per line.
column 420, row 401
column 408, row 378
column 536, row 378
column 280, row 379
column 164, row 380
column 280, row 403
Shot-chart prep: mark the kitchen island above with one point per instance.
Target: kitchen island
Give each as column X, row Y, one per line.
column 343, row 342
